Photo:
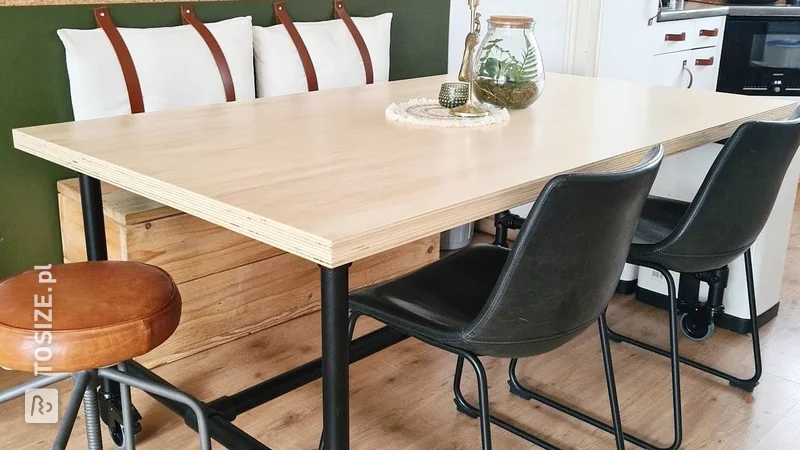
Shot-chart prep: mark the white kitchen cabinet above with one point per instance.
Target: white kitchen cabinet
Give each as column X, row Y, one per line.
column 686, row 54
column 668, row 37
column 635, row 47
column 691, row 69
column 683, row 54
column 709, row 31
column 704, row 64
column 679, row 35
column 671, row 69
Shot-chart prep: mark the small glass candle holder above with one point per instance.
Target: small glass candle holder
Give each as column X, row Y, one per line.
column 453, row 95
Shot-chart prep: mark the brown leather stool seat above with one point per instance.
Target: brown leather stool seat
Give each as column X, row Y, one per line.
column 101, row 314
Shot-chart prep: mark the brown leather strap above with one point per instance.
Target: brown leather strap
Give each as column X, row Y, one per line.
column 311, row 73
column 187, row 13
column 103, row 18
column 341, row 13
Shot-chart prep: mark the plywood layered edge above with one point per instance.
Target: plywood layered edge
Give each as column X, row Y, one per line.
column 284, row 237
column 414, row 228
column 333, row 254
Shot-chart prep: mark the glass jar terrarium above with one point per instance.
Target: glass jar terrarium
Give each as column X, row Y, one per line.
column 508, row 67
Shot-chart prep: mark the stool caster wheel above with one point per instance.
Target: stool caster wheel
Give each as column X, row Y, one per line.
column 117, row 436
column 117, row 433
column 697, row 325
column 111, row 415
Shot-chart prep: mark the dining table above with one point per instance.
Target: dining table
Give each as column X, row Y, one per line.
column 327, row 177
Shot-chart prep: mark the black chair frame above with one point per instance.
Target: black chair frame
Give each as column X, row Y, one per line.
column 479, row 301
column 503, row 222
column 748, row 384
column 519, row 390
column 482, row 412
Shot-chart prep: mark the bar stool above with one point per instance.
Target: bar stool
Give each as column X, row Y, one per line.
column 84, row 321
column 491, row 301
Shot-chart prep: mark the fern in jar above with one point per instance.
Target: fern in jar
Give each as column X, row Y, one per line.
column 508, row 67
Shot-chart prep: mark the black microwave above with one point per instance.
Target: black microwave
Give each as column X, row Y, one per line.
column 761, row 56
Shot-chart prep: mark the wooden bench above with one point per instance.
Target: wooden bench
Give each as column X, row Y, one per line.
column 231, row 286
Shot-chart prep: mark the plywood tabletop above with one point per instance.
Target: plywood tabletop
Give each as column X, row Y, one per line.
column 325, row 176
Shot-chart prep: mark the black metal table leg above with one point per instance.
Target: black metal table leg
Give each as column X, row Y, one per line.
column 95, row 235
column 335, row 358
column 93, row 221
column 500, row 231
column 96, row 250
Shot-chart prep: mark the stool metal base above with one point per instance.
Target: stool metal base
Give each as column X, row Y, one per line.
column 222, row 411
column 85, row 393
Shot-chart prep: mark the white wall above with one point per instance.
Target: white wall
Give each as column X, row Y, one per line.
column 552, row 17
column 623, row 48
column 565, row 29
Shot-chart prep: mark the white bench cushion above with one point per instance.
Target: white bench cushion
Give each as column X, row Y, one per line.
column 336, row 58
column 174, row 64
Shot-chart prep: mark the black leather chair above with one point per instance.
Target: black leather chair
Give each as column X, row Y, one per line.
column 492, row 301
column 701, row 238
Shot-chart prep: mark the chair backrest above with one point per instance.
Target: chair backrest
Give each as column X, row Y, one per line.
column 566, row 261
column 737, row 195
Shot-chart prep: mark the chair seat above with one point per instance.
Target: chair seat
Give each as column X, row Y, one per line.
column 102, row 313
column 437, row 301
column 659, row 219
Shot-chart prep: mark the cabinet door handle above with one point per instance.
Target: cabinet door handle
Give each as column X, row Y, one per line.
column 675, row 37
column 689, row 71
column 704, row 62
column 710, row 33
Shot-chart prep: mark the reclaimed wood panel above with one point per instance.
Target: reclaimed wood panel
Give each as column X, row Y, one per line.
column 238, row 302
column 118, row 204
column 231, row 285
column 185, row 246
column 73, row 240
column 190, row 248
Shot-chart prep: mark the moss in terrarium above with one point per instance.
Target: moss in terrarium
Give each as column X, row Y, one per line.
column 508, row 95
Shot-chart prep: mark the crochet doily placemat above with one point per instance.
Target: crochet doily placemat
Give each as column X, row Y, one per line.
column 428, row 112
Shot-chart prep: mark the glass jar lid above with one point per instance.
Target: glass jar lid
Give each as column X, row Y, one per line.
column 511, row 21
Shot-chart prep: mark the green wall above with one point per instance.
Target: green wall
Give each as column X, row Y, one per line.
column 34, row 90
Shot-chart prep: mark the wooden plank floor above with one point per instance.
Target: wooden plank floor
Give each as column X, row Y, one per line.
column 402, row 399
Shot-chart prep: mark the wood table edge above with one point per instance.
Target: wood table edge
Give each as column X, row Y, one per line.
column 270, row 232
column 334, row 252
column 352, row 249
